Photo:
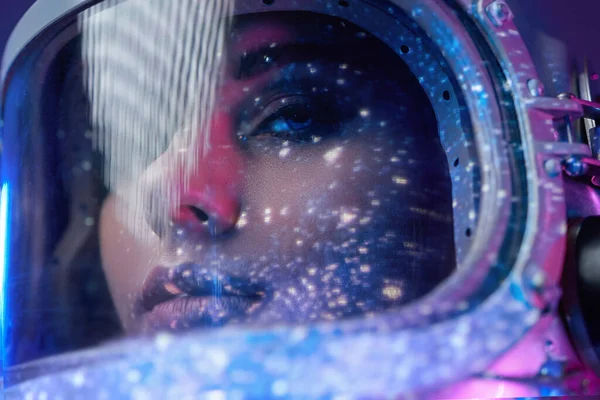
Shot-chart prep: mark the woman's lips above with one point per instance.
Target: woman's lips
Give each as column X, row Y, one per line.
column 187, row 312
column 186, row 296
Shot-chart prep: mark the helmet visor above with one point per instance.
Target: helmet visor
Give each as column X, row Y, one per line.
column 170, row 168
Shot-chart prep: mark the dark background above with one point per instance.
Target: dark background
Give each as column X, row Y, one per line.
column 10, row 13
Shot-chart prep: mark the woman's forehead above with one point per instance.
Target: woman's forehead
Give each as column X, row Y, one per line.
column 255, row 31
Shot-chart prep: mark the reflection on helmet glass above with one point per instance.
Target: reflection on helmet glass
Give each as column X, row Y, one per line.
column 318, row 190
column 325, row 192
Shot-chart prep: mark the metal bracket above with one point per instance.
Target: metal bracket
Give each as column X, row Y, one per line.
column 591, row 109
column 557, row 108
column 591, row 116
column 579, row 165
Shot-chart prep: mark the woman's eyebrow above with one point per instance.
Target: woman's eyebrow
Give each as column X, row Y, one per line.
column 257, row 62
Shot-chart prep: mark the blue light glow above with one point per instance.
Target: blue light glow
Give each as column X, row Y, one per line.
column 3, row 259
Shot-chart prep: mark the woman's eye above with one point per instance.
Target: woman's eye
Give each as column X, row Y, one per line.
column 292, row 118
column 295, row 118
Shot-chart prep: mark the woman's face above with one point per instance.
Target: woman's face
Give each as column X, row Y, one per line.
column 323, row 192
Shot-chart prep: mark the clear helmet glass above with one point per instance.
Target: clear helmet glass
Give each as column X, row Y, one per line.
column 171, row 168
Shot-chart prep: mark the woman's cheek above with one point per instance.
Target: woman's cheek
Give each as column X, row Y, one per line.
column 333, row 174
column 293, row 173
column 125, row 260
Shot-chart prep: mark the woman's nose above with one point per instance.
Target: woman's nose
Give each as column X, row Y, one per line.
column 206, row 181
